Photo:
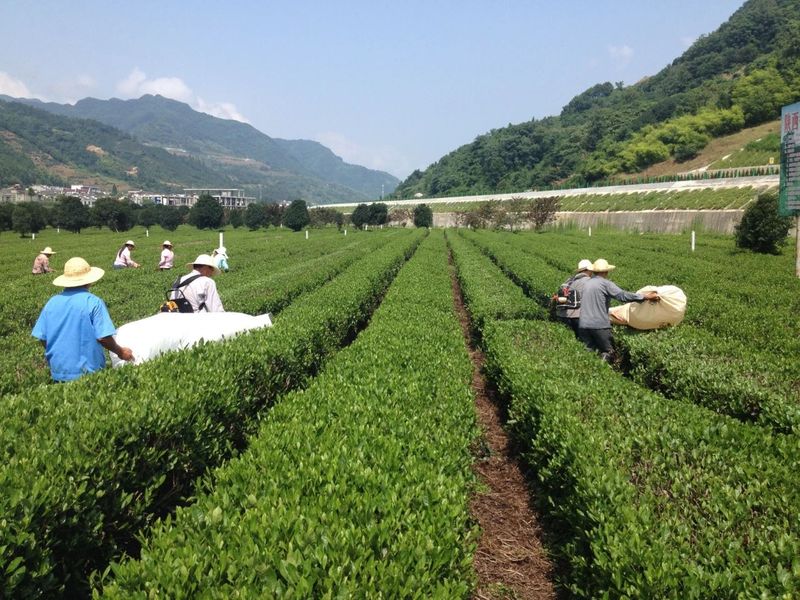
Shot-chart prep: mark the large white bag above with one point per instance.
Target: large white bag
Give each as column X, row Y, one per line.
column 149, row 337
column 670, row 310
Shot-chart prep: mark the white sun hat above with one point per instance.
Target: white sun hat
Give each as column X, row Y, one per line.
column 206, row 260
column 130, row 243
column 167, row 243
column 48, row 250
column 601, row 266
column 77, row 273
column 584, row 265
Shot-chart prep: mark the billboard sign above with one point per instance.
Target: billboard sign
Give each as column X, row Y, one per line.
column 789, row 198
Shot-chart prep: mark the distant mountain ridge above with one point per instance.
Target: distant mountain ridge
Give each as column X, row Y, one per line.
column 282, row 169
column 736, row 77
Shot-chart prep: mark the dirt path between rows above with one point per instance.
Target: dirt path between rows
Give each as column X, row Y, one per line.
column 510, row 559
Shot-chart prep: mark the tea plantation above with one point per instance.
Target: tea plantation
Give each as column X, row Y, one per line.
column 330, row 456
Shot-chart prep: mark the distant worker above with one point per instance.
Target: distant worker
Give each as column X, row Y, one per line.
column 198, row 287
column 74, row 326
column 123, row 259
column 220, row 256
column 594, row 325
column 41, row 264
column 568, row 298
column 167, row 256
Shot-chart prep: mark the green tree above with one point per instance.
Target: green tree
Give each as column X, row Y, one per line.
column 114, row 214
column 206, row 213
column 170, row 218
column 360, row 216
column 71, row 214
column 423, row 216
column 274, row 214
column 149, row 215
column 28, row 217
column 762, row 229
column 378, row 213
column 235, row 218
column 255, row 217
column 296, row 215
column 6, row 216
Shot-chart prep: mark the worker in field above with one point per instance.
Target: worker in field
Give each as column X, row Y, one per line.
column 198, row 287
column 74, row 326
column 594, row 325
column 167, row 256
column 220, row 256
column 41, row 264
column 123, row 259
column 568, row 299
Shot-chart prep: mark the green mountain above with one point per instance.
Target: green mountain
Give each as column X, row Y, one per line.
column 39, row 147
column 736, row 77
column 281, row 169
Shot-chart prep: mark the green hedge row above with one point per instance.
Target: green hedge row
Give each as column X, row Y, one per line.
column 86, row 465
column 488, row 293
column 655, row 499
column 356, row 487
column 137, row 293
column 735, row 351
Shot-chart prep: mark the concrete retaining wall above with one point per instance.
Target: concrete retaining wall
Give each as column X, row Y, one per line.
column 656, row 221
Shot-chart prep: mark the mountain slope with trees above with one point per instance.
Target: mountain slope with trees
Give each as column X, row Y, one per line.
column 39, row 147
column 736, row 77
column 250, row 157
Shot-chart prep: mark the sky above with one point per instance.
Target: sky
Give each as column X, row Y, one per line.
column 391, row 85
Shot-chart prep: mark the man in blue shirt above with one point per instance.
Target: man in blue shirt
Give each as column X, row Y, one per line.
column 75, row 326
column 594, row 325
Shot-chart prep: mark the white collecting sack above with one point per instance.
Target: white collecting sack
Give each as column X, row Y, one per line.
column 162, row 332
column 670, row 310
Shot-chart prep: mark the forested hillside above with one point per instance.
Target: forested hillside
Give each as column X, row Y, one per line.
column 736, row 77
column 284, row 169
column 38, row 147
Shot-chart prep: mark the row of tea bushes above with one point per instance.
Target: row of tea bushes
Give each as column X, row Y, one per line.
column 714, row 358
column 86, row 465
column 488, row 293
column 258, row 284
column 654, row 498
column 356, row 487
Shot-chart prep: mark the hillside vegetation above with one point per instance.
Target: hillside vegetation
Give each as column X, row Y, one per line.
column 735, row 78
column 264, row 166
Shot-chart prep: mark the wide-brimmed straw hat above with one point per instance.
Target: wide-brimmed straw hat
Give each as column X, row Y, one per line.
column 601, row 266
column 167, row 243
column 130, row 243
column 77, row 273
column 222, row 250
column 48, row 250
column 584, row 265
column 206, row 260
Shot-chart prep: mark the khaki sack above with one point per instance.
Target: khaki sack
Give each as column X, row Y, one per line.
column 670, row 310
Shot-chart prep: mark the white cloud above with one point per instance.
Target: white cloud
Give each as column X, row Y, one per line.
column 137, row 84
column 383, row 159
column 14, row 87
column 622, row 55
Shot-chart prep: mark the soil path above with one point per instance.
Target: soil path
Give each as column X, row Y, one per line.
column 510, row 560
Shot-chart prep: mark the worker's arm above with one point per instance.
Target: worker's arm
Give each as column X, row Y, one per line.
column 110, row 344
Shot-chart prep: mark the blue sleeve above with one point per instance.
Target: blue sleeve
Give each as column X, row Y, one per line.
column 39, row 329
column 101, row 320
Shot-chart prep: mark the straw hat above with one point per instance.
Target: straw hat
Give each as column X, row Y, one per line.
column 584, row 265
column 601, row 266
column 222, row 250
column 130, row 243
column 48, row 250
column 167, row 243
column 204, row 259
column 77, row 273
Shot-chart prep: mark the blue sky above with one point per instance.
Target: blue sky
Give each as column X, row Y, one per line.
column 389, row 85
